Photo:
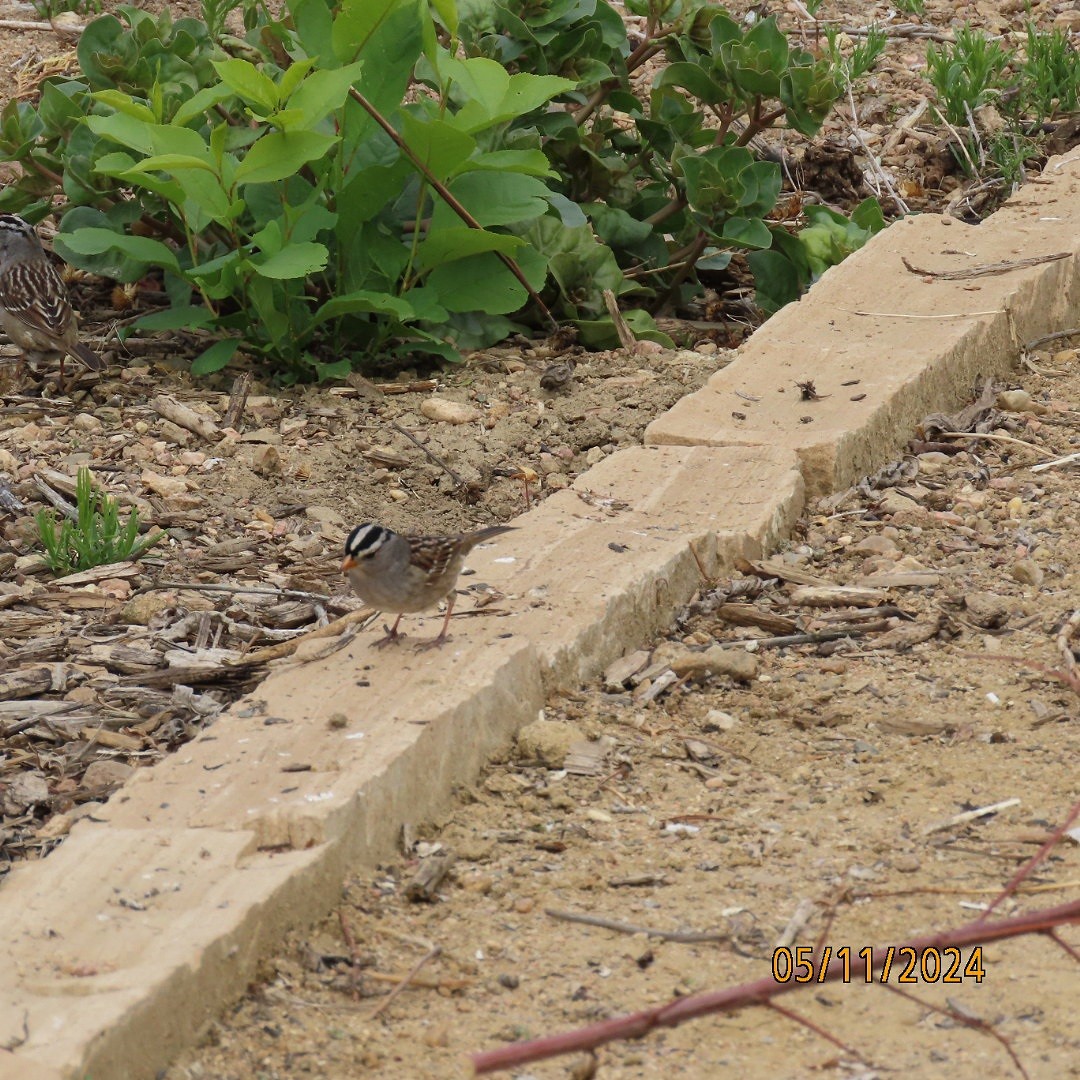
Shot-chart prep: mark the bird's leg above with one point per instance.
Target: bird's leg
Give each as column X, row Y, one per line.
column 443, row 638
column 392, row 636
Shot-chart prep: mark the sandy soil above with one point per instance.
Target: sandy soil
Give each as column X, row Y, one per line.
column 722, row 807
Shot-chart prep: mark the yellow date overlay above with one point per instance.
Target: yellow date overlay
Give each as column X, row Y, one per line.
column 903, row 964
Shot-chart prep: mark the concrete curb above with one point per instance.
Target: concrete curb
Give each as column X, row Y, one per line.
column 146, row 923
column 867, row 320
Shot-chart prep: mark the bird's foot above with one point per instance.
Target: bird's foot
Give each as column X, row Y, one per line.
column 392, row 637
column 433, row 643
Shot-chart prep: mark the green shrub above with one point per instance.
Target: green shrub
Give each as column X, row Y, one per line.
column 353, row 183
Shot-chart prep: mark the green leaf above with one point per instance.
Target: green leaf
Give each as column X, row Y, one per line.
column 616, row 227
column 439, row 145
column 176, row 318
column 294, row 261
column 429, row 346
column 126, row 104
column 294, row 75
column 313, row 20
column 220, row 268
column 582, row 267
column 179, row 141
column 205, row 200
column 143, row 248
column 446, row 244
column 125, row 130
column 337, row 369
column 601, row 333
column 424, row 303
column 715, row 260
column 214, row 358
column 362, row 302
column 749, row 232
column 109, row 263
column 245, row 80
column 200, row 102
column 693, row 79
column 448, row 15
column 170, row 163
column 479, row 78
column 867, row 215
column 392, row 51
column 322, row 92
column 358, row 21
column 570, row 213
column 282, row 153
column 529, row 162
column 494, row 199
column 776, row 279
column 366, row 192
column 494, row 96
column 478, row 283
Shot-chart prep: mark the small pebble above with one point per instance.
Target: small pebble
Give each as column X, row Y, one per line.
column 1014, row 400
column 1028, row 572
column 719, row 720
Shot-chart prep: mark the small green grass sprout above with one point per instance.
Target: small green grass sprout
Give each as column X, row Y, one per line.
column 96, row 537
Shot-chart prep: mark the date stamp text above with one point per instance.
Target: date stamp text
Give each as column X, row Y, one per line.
column 903, row 964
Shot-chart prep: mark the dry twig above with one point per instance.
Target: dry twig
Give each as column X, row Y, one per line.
column 1058, row 335
column 167, row 406
column 429, row 454
column 238, row 396
column 287, row 648
column 686, row 937
column 986, row 268
column 431, row 954
column 1064, row 642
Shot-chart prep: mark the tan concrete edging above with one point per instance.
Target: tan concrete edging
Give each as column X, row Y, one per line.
column 919, row 352
column 147, row 923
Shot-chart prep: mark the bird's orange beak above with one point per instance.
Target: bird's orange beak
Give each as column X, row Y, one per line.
column 347, row 564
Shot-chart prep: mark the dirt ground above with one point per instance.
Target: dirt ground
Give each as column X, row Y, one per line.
column 717, row 806
column 722, row 807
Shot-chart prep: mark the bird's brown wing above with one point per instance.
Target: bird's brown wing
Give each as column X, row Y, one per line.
column 35, row 294
column 433, row 554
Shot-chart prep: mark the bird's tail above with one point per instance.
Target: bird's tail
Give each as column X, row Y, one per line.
column 489, row 533
column 86, row 357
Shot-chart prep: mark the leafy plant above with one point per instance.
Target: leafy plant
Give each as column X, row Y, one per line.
column 911, row 7
column 1026, row 92
column 1009, row 150
column 215, row 12
column 49, row 9
column 969, row 73
column 300, row 205
column 96, row 537
column 1050, row 74
column 861, row 58
column 795, row 261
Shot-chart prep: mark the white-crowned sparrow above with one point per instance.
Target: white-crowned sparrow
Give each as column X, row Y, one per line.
column 404, row 574
column 34, row 308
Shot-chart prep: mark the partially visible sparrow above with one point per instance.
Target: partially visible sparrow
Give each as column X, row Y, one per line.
column 404, row 574
column 34, row 308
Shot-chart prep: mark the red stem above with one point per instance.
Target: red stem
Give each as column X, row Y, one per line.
column 635, row 1025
